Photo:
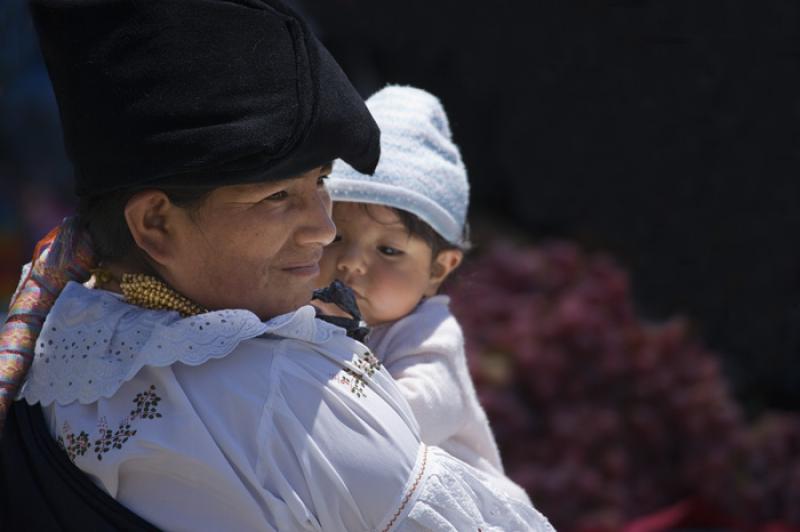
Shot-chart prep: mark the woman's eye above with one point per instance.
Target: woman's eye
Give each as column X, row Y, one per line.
column 278, row 196
column 389, row 251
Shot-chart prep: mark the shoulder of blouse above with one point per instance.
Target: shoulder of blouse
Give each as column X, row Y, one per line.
column 92, row 342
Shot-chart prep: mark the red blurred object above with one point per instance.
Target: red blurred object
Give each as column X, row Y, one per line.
column 609, row 421
column 693, row 514
column 11, row 255
column 687, row 514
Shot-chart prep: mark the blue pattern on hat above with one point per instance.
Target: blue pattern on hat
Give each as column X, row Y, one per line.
column 420, row 168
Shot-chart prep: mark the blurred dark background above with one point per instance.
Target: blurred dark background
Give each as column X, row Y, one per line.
column 665, row 133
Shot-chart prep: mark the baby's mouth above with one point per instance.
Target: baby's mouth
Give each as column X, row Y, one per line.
column 355, row 291
column 357, row 294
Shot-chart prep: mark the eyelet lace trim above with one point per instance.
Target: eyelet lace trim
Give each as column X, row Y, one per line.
column 450, row 484
column 92, row 342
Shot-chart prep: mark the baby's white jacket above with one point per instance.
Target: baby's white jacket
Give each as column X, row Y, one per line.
column 424, row 352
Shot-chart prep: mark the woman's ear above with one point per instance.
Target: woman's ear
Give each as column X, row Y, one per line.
column 149, row 216
column 442, row 266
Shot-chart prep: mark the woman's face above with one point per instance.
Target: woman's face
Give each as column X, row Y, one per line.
column 255, row 246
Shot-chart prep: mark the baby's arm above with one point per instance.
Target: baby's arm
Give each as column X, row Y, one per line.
column 429, row 382
column 427, row 361
column 425, row 355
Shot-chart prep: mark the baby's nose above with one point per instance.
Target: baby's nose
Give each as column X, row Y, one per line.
column 351, row 261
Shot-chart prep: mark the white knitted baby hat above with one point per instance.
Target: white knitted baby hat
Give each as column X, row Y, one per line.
column 420, row 169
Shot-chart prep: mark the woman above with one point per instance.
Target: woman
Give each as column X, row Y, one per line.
column 190, row 380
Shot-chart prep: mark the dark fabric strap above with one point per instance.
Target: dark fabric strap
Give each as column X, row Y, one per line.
column 342, row 296
column 41, row 490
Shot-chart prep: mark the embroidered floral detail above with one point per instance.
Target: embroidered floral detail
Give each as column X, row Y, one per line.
column 76, row 445
column 366, row 364
column 146, row 404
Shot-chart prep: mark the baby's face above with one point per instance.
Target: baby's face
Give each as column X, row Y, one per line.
column 388, row 269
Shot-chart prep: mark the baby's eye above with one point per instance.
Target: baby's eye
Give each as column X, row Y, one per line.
column 390, row 251
column 321, row 180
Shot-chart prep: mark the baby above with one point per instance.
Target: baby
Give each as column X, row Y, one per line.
column 400, row 233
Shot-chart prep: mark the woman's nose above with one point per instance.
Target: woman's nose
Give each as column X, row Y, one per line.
column 318, row 227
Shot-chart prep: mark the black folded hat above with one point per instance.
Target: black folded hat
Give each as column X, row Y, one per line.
column 197, row 92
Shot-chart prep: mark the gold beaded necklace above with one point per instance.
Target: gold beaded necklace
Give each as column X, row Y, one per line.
column 151, row 292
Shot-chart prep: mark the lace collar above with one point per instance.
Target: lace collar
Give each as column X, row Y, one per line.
column 92, row 342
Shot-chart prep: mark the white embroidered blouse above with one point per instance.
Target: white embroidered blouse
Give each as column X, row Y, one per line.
column 223, row 422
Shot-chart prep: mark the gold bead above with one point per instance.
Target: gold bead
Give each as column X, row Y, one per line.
column 149, row 292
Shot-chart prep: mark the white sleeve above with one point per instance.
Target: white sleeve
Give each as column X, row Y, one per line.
column 332, row 456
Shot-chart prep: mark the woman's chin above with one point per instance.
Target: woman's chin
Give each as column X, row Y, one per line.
column 283, row 305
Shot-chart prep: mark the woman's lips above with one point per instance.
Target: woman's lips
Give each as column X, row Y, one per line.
column 310, row 269
column 306, row 265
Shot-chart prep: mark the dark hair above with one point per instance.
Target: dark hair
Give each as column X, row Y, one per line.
column 421, row 229
column 104, row 216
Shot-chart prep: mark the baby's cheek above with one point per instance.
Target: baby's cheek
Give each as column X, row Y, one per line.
column 396, row 295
